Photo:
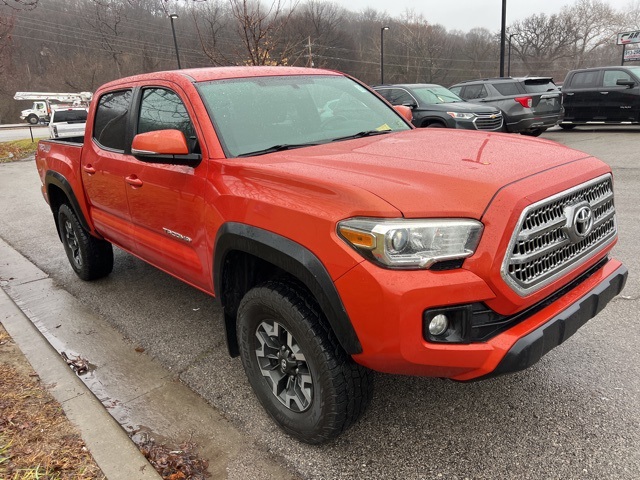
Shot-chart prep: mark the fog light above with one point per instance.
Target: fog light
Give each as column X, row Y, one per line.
column 438, row 325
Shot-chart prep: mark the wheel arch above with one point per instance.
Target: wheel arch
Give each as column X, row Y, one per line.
column 428, row 120
column 59, row 191
column 245, row 256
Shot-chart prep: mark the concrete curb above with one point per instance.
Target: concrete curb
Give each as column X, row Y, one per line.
column 113, row 451
column 129, row 386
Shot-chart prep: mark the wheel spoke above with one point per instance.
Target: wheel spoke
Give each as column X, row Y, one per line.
column 283, row 365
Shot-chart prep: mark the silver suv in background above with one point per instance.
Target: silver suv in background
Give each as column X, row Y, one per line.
column 529, row 105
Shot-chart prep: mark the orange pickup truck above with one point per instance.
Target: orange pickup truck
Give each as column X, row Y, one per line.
column 338, row 238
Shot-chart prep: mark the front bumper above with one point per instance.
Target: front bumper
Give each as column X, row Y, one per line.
column 532, row 347
column 388, row 320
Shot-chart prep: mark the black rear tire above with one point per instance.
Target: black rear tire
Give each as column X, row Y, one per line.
column 567, row 126
column 90, row 257
column 304, row 379
column 536, row 132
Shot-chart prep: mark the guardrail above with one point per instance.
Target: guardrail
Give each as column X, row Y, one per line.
column 19, row 126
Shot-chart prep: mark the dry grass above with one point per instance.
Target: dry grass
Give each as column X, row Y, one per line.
column 36, row 439
column 17, row 150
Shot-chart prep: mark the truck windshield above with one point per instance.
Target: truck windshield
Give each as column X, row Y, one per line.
column 259, row 115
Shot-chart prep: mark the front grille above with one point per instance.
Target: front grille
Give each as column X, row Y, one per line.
column 552, row 235
column 489, row 122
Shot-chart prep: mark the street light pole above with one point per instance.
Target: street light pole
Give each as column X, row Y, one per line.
column 175, row 41
column 502, row 36
column 511, row 35
column 382, row 54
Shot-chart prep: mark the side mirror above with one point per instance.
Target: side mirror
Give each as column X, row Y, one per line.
column 404, row 111
column 164, row 146
column 626, row 83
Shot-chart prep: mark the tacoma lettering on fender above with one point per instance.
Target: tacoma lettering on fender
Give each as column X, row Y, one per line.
column 338, row 239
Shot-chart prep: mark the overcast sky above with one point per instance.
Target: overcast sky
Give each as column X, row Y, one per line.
column 467, row 14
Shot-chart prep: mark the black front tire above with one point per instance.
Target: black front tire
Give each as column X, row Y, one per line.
column 32, row 119
column 90, row 257
column 307, row 383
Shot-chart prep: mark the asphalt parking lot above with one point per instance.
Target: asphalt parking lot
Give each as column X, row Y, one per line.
column 572, row 415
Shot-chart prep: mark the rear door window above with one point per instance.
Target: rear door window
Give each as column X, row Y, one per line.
column 506, row 89
column 585, row 79
column 110, row 125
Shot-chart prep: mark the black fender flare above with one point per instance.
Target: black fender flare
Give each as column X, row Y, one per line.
column 58, row 180
column 294, row 259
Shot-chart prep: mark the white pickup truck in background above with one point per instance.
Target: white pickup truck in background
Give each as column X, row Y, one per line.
column 68, row 122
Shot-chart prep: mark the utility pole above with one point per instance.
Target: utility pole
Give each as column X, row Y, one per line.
column 503, row 36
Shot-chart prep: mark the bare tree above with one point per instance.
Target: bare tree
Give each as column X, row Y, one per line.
column 595, row 26
column 259, row 30
column 542, row 40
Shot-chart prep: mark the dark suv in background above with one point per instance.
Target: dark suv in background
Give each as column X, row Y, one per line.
column 436, row 106
column 604, row 95
column 529, row 105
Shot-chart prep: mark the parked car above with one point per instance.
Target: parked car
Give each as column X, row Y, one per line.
column 529, row 105
column 338, row 238
column 68, row 123
column 609, row 95
column 436, row 106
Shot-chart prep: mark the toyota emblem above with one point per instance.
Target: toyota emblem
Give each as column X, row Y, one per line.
column 583, row 221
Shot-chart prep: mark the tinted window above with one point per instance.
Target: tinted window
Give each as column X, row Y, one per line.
column 109, row 128
column 456, row 90
column 612, row 76
column 397, row 96
column 506, row 89
column 540, row 85
column 474, row 91
column 71, row 116
column 585, row 79
column 162, row 109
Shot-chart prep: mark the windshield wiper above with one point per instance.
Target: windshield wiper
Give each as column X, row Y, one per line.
column 278, row 148
column 366, row 133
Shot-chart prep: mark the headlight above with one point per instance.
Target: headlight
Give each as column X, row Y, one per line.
column 462, row 116
column 411, row 244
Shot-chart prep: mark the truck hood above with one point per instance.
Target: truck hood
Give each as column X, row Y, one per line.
column 425, row 172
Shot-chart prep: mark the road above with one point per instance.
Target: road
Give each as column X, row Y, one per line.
column 572, row 415
column 21, row 132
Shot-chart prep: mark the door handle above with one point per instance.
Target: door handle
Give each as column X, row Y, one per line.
column 89, row 169
column 568, row 94
column 133, row 181
column 604, row 93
